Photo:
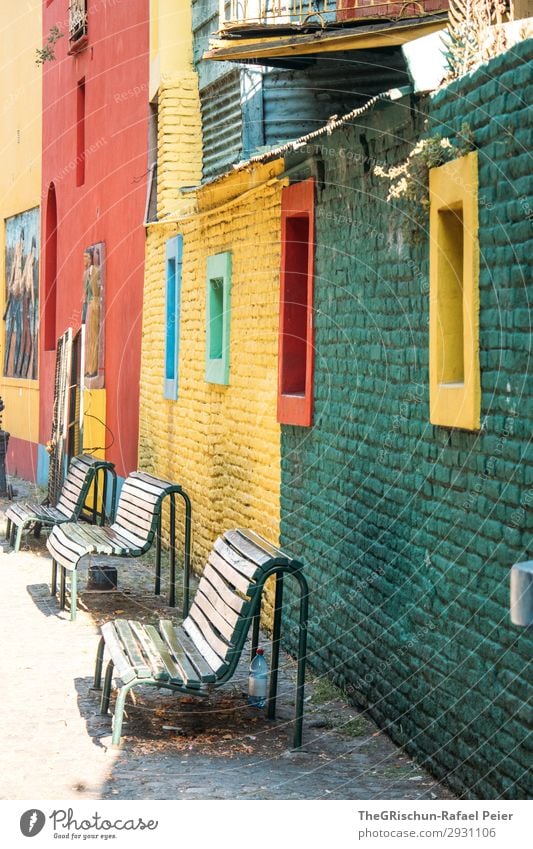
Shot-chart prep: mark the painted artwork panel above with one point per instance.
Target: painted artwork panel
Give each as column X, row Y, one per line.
column 21, row 315
column 93, row 314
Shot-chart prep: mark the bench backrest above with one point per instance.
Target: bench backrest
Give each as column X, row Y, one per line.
column 81, row 475
column 227, row 597
column 139, row 509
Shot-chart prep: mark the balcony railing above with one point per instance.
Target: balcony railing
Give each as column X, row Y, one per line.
column 77, row 28
column 300, row 13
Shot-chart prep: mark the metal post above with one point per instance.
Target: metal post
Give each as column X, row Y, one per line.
column 302, row 653
column 113, row 496
column 274, row 660
column 172, row 552
column 255, row 630
column 104, row 498
column 95, row 500
column 187, row 552
column 97, row 685
column 157, row 589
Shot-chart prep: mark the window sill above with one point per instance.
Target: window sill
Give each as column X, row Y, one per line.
column 78, row 45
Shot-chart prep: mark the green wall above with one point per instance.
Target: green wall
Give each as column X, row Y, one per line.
column 409, row 530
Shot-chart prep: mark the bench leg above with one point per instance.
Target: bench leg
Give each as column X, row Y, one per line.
column 73, row 594
column 98, row 665
column 8, row 529
column 106, row 692
column 119, row 712
column 12, row 535
column 18, row 538
column 62, row 588
column 37, row 530
column 53, row 582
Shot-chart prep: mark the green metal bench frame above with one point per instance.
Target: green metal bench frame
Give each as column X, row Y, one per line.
column 137, row 524
column 84, row 471
column 182, row 658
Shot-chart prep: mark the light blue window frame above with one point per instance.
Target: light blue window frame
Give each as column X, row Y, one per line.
column 173, row 265
column 218, row 318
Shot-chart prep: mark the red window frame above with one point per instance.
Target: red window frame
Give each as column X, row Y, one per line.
column 296, row 332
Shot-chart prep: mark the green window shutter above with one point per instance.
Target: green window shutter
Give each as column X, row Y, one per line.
column 173, row 257
column 218, row 318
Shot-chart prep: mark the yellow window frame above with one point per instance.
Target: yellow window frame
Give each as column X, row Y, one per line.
column 455, row 390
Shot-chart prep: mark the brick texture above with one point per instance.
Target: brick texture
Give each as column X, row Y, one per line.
column 221, row 442
column 409, row 530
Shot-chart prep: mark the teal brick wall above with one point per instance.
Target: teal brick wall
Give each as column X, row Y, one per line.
column 408, row 530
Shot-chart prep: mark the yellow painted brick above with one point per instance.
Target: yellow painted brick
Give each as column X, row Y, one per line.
column 221, row 443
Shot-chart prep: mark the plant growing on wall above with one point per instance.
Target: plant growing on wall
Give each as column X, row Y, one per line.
column 467, row 40
column 47, row 53
column 409, row 181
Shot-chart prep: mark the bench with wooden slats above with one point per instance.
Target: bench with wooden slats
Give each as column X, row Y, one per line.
column 86, row 475
column 136, row 525
column 203, row 651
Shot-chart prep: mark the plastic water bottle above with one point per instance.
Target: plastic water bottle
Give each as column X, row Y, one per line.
column 257, row 680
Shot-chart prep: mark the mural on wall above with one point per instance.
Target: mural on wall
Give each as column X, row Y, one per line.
column 93, row 314
column 21, row 315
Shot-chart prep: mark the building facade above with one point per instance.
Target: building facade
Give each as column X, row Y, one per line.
column 329, row 364
column 94, row 189
column 20, row 212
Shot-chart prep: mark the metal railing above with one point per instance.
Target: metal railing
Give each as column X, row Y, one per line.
column 77, row 12
column 264, row 13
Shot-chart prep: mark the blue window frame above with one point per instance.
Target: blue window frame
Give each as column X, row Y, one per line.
column 174, row 252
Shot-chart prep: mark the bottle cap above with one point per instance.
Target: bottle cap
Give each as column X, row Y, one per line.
column 260, row 651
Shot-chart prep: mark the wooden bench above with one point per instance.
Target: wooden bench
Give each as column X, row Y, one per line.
column 137, row 524
column 84, row 473
column 203, row 651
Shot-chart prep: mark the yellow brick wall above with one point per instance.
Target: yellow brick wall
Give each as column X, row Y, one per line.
column 221, row 442
column 179, row 140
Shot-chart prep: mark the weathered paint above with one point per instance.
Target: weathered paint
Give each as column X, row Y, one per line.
column 20, row 190
column 109, row 207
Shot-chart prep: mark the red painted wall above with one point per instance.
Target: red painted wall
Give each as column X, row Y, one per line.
column 109, row 207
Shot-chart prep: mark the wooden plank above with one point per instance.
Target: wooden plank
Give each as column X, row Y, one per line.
column 225, row 592
column 155, row 483
column 216, row 643
column 92, row 537
column 246, row 567
column 233, row 577
column 72, row 490
column 214, row 661
column 216, row 621
column 123, row 667
column 127, row 636
column 173, row 671
column 252, row 547
column 63, row 549
column 204, row 670
column 138, row 496
column 188, row 673
column 122, row 538
column 146, row 483
column 139, row 521
column 159, row 672
column 230, row 616
column 20, row 513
